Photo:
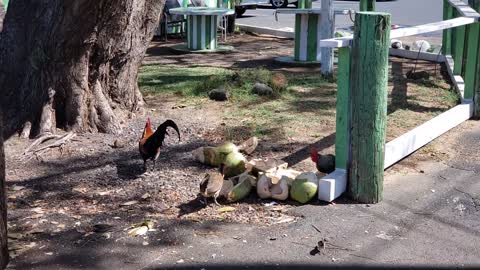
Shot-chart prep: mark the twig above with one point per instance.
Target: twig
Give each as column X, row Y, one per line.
column 316, row 228
column 363, row 257
column 57, row 143
column 40, row 141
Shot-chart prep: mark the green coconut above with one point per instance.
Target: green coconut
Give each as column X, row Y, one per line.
column 234, row 164
column 214, row 156
column 241, row 190
column 227, row 148
column 303, row 191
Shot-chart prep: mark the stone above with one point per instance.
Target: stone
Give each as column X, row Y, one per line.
column 396, row 44
column 262, row 89
column 219, row 94
column 421, row 45
column 118, row 143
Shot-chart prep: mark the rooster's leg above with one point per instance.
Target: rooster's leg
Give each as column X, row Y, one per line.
column 215, row 199
column 145, row 165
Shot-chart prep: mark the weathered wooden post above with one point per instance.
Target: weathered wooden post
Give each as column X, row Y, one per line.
column 327, row 30
column 342, row 108
column 368, row 117
column 473, row 37
column 367, row 5
column 447, row 34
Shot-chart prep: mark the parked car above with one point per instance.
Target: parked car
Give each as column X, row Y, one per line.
column 242, row 5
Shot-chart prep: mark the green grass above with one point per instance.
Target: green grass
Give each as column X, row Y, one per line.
column 305, row 109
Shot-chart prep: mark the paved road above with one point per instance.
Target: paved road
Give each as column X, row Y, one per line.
column 404, row 12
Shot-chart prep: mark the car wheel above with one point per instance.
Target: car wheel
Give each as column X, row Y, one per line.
column 240, row 11
column 279, row 3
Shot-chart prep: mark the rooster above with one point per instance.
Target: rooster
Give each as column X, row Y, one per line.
column 150, row 143
column 324, row 163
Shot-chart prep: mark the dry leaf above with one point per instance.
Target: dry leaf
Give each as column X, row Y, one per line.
column 15, row 235
column 142, row 230
column 129, row 203
column 37, row 210
column 226, row 209
column 17, row 188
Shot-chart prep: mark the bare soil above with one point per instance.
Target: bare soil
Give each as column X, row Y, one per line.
column 86, row 181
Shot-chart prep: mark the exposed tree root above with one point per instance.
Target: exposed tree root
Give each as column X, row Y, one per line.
column 41, row 140
column 29, row 153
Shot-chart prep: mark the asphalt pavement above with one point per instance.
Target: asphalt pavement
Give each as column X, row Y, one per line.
column 404, row 12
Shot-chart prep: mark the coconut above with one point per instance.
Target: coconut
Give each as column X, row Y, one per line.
column 234, row 164
column 241, row 190
column 303, row 191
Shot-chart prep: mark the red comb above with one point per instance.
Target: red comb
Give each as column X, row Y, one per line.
column 314, row 155
column 148, row 124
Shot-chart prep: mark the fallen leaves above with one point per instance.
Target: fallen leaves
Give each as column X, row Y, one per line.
column 141, row 229
column 129, row 203
column 226, row 209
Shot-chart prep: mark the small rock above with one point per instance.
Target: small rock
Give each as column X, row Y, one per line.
column 181, row 261
column 219, row 94
column 396, row 44
column 118, row 143
column 421, row 45
column 262, row 89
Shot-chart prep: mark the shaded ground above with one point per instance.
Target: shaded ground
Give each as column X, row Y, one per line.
column 55, row 199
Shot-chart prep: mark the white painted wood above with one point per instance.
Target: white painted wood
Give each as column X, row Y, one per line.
column 267, row 31
column 327, row 30
column 299, row 11
column 457, row 80
column 337, row 42
column 332, row 186
column 303, row 37
column 432, row 57
column 464, row 9
column 430, row 27
column 409, row 142
column 202, row 31
column 201, row 11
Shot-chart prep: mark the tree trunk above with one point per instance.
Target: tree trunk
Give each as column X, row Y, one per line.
column 73, row 64
column 3, row 208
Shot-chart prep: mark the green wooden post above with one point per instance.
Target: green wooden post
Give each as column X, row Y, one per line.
column 368, row 95
column 447, row 34
column 473, row 48
column 342, row 108
column 459, row 49
column 367, row 5
column 303, row 4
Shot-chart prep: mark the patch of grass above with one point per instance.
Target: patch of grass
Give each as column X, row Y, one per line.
column 162, row 79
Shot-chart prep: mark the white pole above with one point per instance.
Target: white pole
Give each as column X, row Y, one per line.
column 327, row 31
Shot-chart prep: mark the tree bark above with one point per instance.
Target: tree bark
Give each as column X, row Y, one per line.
column 73, row 64
column 3, row 208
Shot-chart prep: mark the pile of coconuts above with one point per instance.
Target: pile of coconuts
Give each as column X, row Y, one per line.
column 270, row 177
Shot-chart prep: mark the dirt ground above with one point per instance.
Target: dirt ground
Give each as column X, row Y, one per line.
column 88, row 182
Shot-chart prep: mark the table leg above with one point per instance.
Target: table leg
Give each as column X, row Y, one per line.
column 307, row 29
column 202, row 32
